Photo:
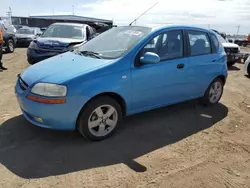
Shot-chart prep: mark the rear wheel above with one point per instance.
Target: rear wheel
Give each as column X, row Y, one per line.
column 248, row 69
column 230, row 63
column 10, row 46
column 99, row 119
column 214, row 92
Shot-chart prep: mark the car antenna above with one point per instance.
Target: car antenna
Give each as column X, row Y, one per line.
column 143, row 13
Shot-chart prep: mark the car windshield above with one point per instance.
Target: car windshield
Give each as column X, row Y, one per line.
column 25, row 31
column 125, row 38
column 64, row 31
column 221, row 39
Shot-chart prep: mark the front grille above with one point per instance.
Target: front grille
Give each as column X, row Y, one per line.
column 23, row 85
column 51, row 48
column 231, row 50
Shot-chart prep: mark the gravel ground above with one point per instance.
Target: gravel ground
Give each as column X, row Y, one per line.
column 184, row 145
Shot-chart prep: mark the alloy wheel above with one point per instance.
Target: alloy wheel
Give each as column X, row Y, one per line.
column 215, row 92
column 102, row 120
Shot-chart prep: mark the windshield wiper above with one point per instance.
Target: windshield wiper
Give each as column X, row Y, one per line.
column 90, row 53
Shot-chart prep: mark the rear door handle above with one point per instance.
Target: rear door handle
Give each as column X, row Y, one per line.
column 180, row 66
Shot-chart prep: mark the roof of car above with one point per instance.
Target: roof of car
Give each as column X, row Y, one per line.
column 70, row 24
column 180, row 27
column 173, row 26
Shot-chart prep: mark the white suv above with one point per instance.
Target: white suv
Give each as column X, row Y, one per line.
column 247, row 66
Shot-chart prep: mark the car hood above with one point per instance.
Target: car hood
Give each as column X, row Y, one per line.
column 25, row 36
column 64, row 42
column 230, row 45
column 62, row 67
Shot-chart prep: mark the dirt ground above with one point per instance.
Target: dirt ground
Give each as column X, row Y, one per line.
column 184, row 145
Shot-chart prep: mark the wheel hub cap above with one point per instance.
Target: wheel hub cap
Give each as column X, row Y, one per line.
column 102, row 120
column 215, row 92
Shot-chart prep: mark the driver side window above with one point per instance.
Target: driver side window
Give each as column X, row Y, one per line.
column 167, row 45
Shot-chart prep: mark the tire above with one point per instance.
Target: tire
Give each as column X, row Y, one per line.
column 10, row 46
column 101, row 125
column 230, row 63
column 248, row 70
column 207, row 98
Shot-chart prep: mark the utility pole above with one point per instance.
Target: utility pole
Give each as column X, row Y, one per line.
column 73, row 9
column 9, row 14
column 238, row 31
column 53, row 11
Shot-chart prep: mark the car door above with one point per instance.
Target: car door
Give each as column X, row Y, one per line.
column 155, row 85
column 203, row 61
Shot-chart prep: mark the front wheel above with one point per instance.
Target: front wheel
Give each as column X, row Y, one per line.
column 248, row 70
column 10, row 46
column 214, row 92
column 100, row 118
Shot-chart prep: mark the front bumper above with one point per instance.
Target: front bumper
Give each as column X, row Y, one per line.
column 23, row 42
column 54, row 116
column 35, row 56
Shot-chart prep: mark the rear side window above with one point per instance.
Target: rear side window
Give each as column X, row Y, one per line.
column 199, row 43
column 215, row 42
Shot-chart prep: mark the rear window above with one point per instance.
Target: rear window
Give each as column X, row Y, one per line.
column 215, row 42
column 199, row 43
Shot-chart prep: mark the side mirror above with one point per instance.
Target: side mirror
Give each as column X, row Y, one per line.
column 150, row 58
column 38, row 34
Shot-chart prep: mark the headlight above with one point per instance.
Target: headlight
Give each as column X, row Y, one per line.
column 49, row 90
column 33, row 45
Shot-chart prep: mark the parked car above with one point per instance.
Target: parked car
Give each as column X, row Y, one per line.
column 243, row 41
column 19, row 26
column 25, row 35
column 247, row 66
column 57, row 39
column 232, row 50
column 9, row 38
column 123, row 71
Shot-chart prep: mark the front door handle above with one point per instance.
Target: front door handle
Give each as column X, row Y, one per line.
column 180, row 66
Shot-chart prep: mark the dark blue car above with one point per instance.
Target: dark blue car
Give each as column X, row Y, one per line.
column 57, row 39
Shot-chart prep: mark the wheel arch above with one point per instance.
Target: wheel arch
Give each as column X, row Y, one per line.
column 113, row 95
column 223, row 78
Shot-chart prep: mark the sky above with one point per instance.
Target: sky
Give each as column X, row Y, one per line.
column 223, row 15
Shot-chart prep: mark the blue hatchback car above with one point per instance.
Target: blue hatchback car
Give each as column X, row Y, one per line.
column 123, row 71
